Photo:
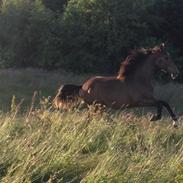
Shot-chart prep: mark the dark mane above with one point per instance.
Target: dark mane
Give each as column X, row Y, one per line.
column 133, row 61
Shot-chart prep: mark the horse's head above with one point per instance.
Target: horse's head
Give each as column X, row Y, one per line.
column 164, row 61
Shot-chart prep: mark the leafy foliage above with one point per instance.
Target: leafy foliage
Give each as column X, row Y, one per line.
column 55, row 5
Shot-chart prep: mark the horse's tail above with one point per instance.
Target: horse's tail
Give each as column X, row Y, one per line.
column 65, row 94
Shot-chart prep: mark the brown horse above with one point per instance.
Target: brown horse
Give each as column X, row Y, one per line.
column 132, row 86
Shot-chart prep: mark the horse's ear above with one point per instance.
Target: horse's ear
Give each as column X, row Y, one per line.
column 162, row 47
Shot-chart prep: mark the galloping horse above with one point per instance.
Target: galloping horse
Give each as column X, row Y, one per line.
column 132, row 86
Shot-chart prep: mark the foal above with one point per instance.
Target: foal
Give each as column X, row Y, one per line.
column 132, row 86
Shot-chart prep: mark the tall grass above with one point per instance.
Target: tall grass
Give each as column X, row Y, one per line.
column 79, row 145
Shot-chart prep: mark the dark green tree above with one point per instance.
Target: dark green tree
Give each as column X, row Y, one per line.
column 24, row 27
column 99, row 33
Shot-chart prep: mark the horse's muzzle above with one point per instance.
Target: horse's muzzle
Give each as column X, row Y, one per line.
column 174, row 75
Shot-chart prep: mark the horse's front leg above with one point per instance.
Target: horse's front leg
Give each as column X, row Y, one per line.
column 159, row 104
column 152, row 102
column 172, row 114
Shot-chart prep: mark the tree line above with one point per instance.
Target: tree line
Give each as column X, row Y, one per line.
column 86, row 35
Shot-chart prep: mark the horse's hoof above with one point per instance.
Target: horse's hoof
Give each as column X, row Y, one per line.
column 155, row 118
column 175, row 124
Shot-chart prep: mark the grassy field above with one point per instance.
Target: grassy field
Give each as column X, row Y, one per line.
column 23, row 83
column 78, row 145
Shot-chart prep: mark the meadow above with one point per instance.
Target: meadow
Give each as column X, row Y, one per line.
column 39, row 144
